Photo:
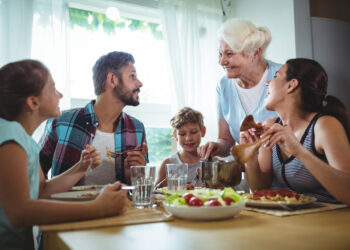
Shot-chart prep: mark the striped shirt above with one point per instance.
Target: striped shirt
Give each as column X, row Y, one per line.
column 66, row 136
column 293, row 175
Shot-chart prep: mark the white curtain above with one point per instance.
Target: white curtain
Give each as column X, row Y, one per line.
column 16, row 18
column 50, row 42
column 190, row 29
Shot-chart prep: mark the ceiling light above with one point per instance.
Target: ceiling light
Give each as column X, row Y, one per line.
column 112, row 13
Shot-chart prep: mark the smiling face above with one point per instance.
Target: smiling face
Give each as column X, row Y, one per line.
column 235, row 64
column 128, row 89
column 277, row 89
column 189, row 136
column 49, row 100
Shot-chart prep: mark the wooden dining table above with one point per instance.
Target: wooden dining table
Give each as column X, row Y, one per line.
column 248, row 230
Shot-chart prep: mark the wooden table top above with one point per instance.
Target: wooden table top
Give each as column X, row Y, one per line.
column 250, row 230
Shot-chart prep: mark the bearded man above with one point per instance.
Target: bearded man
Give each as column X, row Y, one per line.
column 101, row 123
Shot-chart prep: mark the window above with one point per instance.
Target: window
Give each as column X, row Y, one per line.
column 91, row 34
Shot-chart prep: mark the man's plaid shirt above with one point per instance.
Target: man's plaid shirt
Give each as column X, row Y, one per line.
column 66, row 136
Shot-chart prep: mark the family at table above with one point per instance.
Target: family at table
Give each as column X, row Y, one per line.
column 308, row 150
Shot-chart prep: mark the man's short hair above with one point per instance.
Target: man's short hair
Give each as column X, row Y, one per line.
column 187, row 115
column 112, row 62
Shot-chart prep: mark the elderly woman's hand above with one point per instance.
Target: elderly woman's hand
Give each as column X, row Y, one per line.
column 208, row 149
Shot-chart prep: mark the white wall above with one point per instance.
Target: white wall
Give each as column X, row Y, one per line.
column 278, row 17
column 331, row 48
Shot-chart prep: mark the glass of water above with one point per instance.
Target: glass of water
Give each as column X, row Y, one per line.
column 177, row 176
column 142, row 178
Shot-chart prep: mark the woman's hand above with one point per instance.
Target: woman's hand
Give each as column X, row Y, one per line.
column 252, row 135
column 284, row 137
column 112, row 200
column 90, row 155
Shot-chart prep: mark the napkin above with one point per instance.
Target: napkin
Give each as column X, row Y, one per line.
column 312, row 208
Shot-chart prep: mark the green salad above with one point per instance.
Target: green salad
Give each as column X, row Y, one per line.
column 203, row 197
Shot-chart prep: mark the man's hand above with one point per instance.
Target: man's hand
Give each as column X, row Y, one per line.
column 135, row 158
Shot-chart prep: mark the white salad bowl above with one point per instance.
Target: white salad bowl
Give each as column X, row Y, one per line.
column 205, row 213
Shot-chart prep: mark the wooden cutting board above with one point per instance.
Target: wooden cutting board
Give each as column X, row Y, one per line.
column 130, row 217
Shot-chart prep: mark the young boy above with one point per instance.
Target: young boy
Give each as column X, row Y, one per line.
column 188, row 130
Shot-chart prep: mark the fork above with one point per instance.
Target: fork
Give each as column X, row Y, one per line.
column 118, row 154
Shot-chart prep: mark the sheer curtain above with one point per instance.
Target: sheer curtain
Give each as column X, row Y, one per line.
column 50, row 44
column 16, row 18
column 190, row 29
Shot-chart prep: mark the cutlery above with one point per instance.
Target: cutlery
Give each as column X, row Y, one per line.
column 118, row 154
column 128, row 187
column 249, row 123
column 244, row 152
column 158, row 185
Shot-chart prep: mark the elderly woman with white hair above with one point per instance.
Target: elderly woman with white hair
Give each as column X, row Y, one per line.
column 242, row 90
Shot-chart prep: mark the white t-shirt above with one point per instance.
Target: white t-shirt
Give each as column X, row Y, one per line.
column 104, row 173
column 250, row 97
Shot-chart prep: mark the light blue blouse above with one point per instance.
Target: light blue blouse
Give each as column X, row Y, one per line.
column 229, row 106
column 10, row 237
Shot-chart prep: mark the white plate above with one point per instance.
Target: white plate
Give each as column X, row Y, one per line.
column 87, row 187
column 205, row 213
column 76, row 195
column 278, row 204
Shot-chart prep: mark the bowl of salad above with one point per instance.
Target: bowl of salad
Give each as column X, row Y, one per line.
column 204, row 204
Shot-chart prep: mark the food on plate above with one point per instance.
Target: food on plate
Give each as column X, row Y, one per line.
column 88, row 187
column 203, row 197
column 109, row 154
column 89, row 195
column 281, row 195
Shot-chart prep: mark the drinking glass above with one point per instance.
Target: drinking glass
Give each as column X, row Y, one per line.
column 142, row 177
column 177, row 176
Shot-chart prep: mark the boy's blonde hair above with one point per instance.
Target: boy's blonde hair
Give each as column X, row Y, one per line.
column 187, row 115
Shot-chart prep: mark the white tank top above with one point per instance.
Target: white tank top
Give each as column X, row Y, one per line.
column 192, row 172
column 104, row 173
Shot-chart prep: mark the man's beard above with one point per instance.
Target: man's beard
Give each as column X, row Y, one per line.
column 121, row 94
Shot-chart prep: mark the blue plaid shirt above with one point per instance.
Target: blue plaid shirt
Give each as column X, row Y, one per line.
column 66, row 136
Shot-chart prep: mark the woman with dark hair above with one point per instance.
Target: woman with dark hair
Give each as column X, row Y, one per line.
column 313, row 132
column 28, row 97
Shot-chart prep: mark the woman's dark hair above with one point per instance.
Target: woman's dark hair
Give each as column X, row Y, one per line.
column 313, row 82
column 18, row 80
column 112, row 62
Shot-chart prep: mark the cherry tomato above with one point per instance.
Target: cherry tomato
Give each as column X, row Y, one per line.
column 213, row 203
column 228, row 200
column 195, row 202
column 187, row 197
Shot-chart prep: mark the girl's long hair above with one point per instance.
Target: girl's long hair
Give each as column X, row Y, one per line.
column 313, row 81
column 19, row 80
